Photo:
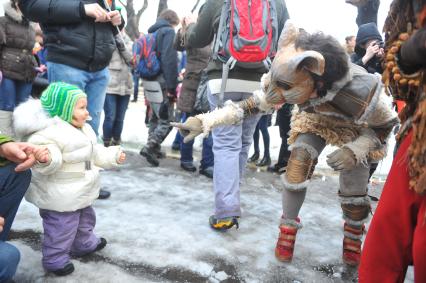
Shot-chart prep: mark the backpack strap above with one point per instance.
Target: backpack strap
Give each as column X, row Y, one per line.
column 231, row 61
column 220, row 30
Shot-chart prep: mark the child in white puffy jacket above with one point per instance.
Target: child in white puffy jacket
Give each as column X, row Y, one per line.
column 65, row 187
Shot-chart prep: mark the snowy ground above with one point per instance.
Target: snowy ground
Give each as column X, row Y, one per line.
column 156, row 224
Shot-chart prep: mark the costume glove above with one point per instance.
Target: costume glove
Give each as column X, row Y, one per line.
column 341, row 159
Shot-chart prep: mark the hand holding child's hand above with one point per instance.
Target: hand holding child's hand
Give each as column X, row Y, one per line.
column 122, row 158
column 42, row 154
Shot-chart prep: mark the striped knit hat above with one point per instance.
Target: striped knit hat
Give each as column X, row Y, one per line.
column 59, row 99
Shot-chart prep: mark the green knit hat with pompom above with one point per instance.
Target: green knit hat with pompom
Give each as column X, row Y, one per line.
column 59, row 99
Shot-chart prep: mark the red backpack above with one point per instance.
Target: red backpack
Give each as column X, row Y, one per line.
column 247, row 36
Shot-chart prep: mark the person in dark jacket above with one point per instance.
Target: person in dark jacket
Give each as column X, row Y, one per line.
column 161, row 91
column 197, row 60
column 79, row 38
column 283, row 121
column 231, row 144
column 369, row 48
column 15, row 160
column 369, row 54
column 17, row 62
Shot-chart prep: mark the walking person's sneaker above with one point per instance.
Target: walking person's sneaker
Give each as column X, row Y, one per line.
column 103, row 194
column 208, row 172
column 150, row 156
column 223, row 224
column 67, row 269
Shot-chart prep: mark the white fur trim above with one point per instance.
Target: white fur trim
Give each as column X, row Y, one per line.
column 12, row 13
column 355, row 200
column 353, row 236
column 29, row 117
column 230, row 114
column 260, row 99
column 291, row 222
column 294, row 187
column 356, row 223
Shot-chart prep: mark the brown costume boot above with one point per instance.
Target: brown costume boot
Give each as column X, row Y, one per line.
column 286, row 240
column 352, row 244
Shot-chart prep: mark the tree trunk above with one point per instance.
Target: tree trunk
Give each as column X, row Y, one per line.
column 133, row 18
column 161, row 6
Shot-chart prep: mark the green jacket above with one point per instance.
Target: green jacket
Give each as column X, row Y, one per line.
column 202, row 33
column 4, row 139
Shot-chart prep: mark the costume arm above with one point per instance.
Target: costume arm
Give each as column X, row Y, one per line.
column 231, row 114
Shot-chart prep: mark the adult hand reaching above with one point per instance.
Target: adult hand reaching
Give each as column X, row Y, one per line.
column 22, row 154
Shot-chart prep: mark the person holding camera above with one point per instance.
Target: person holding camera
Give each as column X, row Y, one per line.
column 369, row 50
column 369, row 54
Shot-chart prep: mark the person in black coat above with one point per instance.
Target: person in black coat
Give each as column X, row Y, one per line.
column 80, row 38
column 369, row 48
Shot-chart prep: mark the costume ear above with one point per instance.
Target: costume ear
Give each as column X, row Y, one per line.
column 312, row 61
column 288, row 34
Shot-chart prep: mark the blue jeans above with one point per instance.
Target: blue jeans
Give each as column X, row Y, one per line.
column 12, row 93
column 115, row 109
column 231, row 144
column 9, row 259
column 94, row 84
column 207, row 158
column 136, row 79
column 262, row 126
column 13, row 186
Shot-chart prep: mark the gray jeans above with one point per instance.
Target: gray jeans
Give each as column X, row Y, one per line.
column 159, row 124
column 231, row 145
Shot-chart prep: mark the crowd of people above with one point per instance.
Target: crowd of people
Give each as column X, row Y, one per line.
column 76, row 60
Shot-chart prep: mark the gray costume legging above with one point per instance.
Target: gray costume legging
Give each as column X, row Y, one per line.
column 353, row 183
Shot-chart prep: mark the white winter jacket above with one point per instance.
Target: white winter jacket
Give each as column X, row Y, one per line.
column 71, row 180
